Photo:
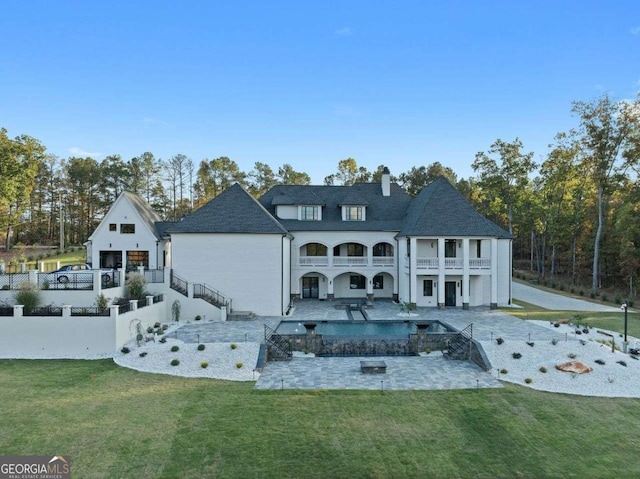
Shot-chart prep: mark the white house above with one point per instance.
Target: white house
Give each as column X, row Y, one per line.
column 368, row 240
column 130, row 235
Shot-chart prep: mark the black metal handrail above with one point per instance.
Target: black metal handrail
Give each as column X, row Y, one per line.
column 13, row 281
column 158, row 298
column 6, row 310
column 110, row 279
column 43, row 311
column 178, row 284
column 210, row 295
column 124, row 308
column 154, row 275
column 459, row 345
column 89, row 311
column 277, row 342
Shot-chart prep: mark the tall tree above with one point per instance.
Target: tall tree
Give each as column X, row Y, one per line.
column 262, row 178
column 288, row 176
column 610, row 141
column 417, row 178
column 348, row 173
column 507, row 177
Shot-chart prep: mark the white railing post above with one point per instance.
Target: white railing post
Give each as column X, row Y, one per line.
column 134, row 304
column 18, row 310
column 113, row 311
column 33, row 276
column 66, row 310
column 149, row 300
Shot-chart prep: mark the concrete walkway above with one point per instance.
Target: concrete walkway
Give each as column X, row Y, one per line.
column 553, row 301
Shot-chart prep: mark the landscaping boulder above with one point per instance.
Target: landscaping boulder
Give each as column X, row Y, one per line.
column 574, row 367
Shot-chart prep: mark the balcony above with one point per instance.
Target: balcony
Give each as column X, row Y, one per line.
column 450, row 264
column 347, row 261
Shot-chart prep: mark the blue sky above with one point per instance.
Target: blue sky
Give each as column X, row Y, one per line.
column 402, row 83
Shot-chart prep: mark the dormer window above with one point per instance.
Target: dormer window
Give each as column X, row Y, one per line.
column 309, row 213
column 353, row 213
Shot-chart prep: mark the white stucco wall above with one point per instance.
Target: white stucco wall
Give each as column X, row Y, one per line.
column 246, row 268
column 142, row 240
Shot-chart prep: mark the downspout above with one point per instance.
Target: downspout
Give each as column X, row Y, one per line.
column 282, row 275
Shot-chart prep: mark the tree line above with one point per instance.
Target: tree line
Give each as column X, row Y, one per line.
column 573, row 213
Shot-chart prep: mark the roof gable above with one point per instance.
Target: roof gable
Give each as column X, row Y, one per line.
column 441, row 210
column 232, row 211
column 145, row 212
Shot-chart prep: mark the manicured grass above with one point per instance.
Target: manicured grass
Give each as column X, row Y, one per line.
column 115, row 422
column 613, row 321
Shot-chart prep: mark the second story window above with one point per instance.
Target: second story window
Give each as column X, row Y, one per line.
column 127, row 228
column 309, row 213
column 353, row 213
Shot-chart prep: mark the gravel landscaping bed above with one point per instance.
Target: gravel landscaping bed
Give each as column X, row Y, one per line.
column 611, row 379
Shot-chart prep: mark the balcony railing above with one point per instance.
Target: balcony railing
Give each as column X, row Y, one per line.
column 346, row 261
column 451, row 263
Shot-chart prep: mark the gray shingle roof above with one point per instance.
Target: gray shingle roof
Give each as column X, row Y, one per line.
column 384, row 213
column 233, row 211
column 296, row 197
column 440, row 210
column 146, row 212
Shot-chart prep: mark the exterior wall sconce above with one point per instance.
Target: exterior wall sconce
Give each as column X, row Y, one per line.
column 459, row 245
column 458, row 284
column 109, row 245
column 136, row 245
column 432, row 244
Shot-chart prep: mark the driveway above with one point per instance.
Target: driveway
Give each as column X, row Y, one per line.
column 548, row 300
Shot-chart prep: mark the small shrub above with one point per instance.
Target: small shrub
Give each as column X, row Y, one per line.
column 136, row 287
column 156, row 324
column 149, row 330
column 204, row 365
column 200, row 347
column 530, row 343
column 28, row 295
column 427, row 350
column 585, row 330
column 499, row 341
column 175, row 348
column 503, row 371
column 528, row 380
column 234, row 346
column 617, row 299
column 622, row 363
column 143, row 354
column 239, row 364
column 165, row 327
column 543, row 369
column 163, row 340
column 125, row 350
column 600, row 362
column 198, row 317
column 578, row 332
column 604, row 297
column 571, row 355
column 556, row 325
column 572, row 290
column 175, row 362
column 583, row 342
column 561, row 287
column 554, row 341
column 581, row 292
column 592, row 295
column 516, row 355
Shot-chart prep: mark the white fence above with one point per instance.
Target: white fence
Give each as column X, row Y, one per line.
column 80, row 337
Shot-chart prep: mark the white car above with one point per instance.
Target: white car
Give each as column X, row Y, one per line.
column 77, row 274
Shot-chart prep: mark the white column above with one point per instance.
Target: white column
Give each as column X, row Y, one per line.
column 494, row 273
column 413, row 270
column 441, row 273
column 465, row 273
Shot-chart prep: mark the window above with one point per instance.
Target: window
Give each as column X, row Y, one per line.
column 316, row 249
column 113, row 227
column 137, row 258
column 336, row 250
column 427, row 287
column 127, row 228
column 378, row 282
column 357, row 281
column 383, row 249
column 478, row 249
column 309, row 213
column 450, row 249
column 355, row 249
column 353, row 213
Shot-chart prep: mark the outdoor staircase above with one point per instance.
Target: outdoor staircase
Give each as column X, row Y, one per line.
column 460, row 346
column 200, row 291
column 277, row 347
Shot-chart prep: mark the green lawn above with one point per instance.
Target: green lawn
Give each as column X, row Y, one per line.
column 613, row 321
column 115, row 422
